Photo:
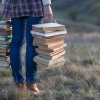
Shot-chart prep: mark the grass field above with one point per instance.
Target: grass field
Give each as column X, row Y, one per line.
column 78, row 79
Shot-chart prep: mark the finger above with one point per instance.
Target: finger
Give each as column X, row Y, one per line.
column 48, row 16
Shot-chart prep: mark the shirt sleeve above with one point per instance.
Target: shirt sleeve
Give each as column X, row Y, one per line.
column 45, row 2
column 3, row 1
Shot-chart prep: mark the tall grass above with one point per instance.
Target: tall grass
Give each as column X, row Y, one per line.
column 78, row 79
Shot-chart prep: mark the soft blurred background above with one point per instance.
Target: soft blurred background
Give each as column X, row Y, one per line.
column 79, row 78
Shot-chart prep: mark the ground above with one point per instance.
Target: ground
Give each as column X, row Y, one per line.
column 78, row 79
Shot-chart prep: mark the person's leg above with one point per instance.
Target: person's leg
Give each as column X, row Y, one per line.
column 16, row 48
column 31, row 68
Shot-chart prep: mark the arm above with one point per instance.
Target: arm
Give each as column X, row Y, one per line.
column 47, row 9
column 3, row 1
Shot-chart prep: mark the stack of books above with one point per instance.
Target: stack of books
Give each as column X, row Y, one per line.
column 49, row 38
column 5, row 39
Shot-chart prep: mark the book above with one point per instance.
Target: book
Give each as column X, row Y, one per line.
column 49, row 44
column 5, row 24
column 5, row 67
column 4, row 32
column 47, row 38
column 4, row 46
column 49, row 34
column 3, row 54
column 51, row 66
column 47, row 62
column 4, row 64
column 2, row 42
column 53, row 48
column 6, row 58
column 46, row 52
column 55, row 56
column 48, row 41
column 6, row 38
column 8, row 29
column 4, row 50
column 48, row 27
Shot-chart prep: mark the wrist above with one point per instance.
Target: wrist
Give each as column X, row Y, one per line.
column 47, row 5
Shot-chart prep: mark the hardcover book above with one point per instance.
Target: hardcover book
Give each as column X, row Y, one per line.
column 6, row 38
column 49, row 34
column 57, row 55
column 52, row 48
column 48, row 27
column 4, row 64
column 6, row 58
column 4, row 45
column 5, row 32
column 59, row 64
column 5, row 24
column 3, row 54
column 2, row 42
column 46, row 52
column 49, row 44
column 47, row 62
column 47, row 41
column 47, row 38
column 4, row 50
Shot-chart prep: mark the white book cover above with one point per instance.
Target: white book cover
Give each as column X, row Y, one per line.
column 46, row 25
column 49, row 34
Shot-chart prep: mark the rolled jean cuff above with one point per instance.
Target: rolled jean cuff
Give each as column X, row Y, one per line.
column 31, row 81
column 19, row 81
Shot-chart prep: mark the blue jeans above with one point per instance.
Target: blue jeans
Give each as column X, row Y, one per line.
column 21, row 33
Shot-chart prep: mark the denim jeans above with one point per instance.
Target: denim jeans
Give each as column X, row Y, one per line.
column 20, row 35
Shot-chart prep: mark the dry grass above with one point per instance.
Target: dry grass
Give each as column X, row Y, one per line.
column 78, row 79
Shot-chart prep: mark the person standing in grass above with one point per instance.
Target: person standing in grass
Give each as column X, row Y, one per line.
column 23, row 14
